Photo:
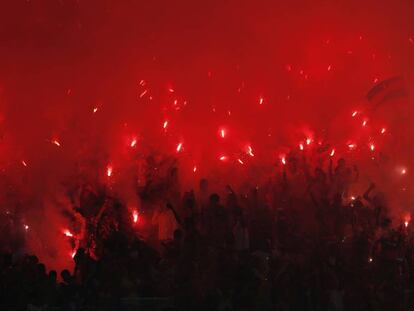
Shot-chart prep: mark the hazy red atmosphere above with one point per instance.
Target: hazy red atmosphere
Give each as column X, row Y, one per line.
column 89, row 90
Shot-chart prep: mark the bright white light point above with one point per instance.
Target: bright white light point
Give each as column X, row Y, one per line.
column 95, row 109
column 406, row 223
column 261, row 101
column 26, row 227
column 301, row 146
column 308, row 141
column 250, row 151
column 67, row 233
column 403, row 171
column 56, row 143
column 372, row 147
column 109, row 171
column 383, row 130
column 351, row 146
column 165, row 124
column 179, row 147
column 283, row 160
column 364, row 123
column 195, row 169
column 354, row 113
column 24, row 163
column 240, row 161
column 135, row 216
column 223, row 158
column 332, row 152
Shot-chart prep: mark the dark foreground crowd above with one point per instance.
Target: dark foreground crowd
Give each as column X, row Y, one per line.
column 299, row 242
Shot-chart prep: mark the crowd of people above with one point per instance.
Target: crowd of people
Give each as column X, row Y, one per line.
column 297, row 242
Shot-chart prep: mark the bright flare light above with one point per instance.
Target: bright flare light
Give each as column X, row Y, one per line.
column 109, row 171
column 250, row 151
column 179, row 147
column 332, row 152
column 135, row 216
column 68, row 233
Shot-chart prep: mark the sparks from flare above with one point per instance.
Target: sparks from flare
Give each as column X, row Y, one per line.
column 354, row 114
column 133, row 142
column 165, row 124
column 194, row 169
column 301, row 146
column 56, row 142
column 143, row 94
column 383, row 130
column 135, row 216
column 250, row 151
column 261, row 101
column 68, row 233
column 109, row 171
column 240, row 161
column 223, row 158
column 332, row 152
column 179, row 147
column 222, row 133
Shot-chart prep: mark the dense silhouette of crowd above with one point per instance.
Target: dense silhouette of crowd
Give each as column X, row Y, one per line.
column 298, row 242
